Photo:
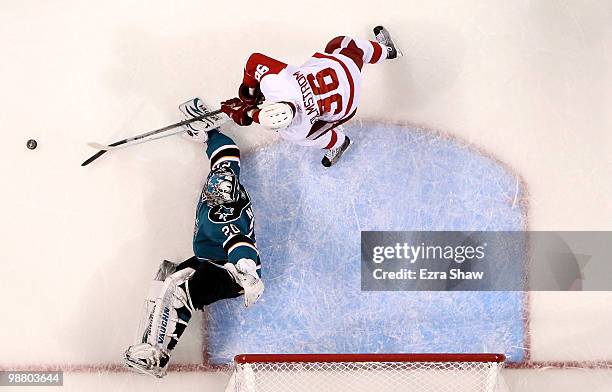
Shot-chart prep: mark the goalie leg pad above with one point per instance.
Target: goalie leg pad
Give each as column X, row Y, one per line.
column 166, row 268
column 171, row 311
column 186, row 287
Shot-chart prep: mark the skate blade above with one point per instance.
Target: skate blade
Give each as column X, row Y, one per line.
column 385, row 32
column 337, row 158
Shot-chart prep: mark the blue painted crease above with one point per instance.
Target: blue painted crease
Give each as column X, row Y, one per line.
column 308, row 224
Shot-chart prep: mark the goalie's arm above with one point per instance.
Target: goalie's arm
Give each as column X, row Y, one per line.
column 240, row 246
column 222, row 150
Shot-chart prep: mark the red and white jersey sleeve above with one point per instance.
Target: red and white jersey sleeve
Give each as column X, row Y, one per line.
column 258, row 65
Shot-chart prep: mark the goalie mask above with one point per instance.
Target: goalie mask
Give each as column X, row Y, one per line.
column 221, row 187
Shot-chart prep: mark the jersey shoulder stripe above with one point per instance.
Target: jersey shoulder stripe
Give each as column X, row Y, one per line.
column 228, row 152
column 238, row 240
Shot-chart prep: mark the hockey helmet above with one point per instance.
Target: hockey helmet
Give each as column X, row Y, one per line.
column 277, row 115
column 221, row 187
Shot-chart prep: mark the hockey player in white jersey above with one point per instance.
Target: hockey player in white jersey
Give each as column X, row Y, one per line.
column 307, row 105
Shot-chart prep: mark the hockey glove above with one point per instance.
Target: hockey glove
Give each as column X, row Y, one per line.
column 251, row 96
column 245, row 274
column 238, row 111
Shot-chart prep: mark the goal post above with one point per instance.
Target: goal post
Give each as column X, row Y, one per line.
column 366, row 372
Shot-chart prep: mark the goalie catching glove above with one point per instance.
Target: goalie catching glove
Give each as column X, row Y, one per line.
column 245, row 274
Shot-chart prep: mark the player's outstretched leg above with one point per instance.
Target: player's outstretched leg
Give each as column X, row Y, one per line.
column 175, row 294
column 362, row 51
column 384, row 38
column 168, row 310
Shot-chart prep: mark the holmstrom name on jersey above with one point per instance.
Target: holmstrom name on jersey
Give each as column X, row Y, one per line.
column 308, row 97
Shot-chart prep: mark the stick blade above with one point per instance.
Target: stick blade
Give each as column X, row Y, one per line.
column 99, row 146
column 93, row 158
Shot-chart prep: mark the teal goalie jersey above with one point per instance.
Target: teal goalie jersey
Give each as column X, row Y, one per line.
column 225, row 233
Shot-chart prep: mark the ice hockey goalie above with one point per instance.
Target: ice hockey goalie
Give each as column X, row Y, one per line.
column 225, row 263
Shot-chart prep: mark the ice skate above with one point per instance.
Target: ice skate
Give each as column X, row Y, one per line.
column 146, row 359
column 384, row 38
column 333, row 155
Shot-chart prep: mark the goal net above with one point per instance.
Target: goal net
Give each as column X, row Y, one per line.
column 365, row 372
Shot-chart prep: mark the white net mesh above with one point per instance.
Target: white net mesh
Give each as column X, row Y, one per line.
column 374, row 376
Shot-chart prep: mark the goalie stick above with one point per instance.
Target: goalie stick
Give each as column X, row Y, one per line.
column 147, row 134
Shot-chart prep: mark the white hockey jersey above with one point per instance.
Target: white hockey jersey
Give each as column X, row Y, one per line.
column 324, row 91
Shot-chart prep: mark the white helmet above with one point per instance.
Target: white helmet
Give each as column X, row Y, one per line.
column 277, row 115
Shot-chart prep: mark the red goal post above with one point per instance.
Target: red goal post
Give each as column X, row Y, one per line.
column 366, row 372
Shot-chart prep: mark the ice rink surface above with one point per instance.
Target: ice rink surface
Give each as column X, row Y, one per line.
column 309, row 239
column 521, row 89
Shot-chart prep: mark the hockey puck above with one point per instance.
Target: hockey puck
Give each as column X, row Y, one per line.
column 31, row 144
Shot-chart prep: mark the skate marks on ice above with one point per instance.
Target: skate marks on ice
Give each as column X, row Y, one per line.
column 308, row 225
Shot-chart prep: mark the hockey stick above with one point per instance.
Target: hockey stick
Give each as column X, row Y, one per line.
column 145, row 135
column 108, row 147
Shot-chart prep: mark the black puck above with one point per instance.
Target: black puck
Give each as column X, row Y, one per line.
column 31, row 144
